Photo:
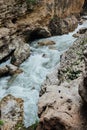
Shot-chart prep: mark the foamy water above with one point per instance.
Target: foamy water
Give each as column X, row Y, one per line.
column 28, row 84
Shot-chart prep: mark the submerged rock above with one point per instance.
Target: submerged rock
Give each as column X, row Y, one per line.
column 11, row 110
column 46, row 43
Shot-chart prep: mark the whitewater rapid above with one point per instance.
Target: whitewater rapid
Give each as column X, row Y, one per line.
column 28, row 84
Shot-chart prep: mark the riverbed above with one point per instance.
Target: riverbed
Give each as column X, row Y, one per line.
column 42, row 61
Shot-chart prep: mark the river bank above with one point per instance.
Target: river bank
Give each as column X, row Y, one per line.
column 28, row 84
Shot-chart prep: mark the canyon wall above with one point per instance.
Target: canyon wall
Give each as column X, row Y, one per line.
column 25, row 20
column 43, row 9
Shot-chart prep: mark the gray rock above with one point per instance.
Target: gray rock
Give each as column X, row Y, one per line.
column 11, row 110
column 21, row 53
column 60, row 108
column 59, row 26
column 83, row 84
column 9, row 70
column 3, row 71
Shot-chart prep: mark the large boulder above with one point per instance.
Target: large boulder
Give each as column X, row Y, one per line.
column 6, row 48
column 60, row 108
column 11, row 112
column 21, row 53
column 60, row 26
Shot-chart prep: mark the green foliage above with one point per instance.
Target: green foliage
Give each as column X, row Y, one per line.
column 34, row 126
column 1, row 123
column 30, row 4
column 73, row 74
column 31, row 1
column 20, row 126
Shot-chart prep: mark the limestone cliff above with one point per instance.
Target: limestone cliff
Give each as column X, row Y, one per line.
column 11, row 10
column 35, row 20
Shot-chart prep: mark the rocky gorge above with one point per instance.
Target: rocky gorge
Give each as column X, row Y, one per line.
column 26, row 64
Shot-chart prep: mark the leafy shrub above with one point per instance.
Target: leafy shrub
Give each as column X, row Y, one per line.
column 1, row 123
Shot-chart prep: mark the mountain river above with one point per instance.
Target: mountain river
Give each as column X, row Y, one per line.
column 28, row 84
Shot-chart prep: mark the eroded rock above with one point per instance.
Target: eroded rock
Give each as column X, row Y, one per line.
column 60, row 108
column 81, row 32
column 9, row 70
column 59, row 26
column 3, row 71
column 21, row 53
column 83, row 84
column 11, row 109
column 72, row 61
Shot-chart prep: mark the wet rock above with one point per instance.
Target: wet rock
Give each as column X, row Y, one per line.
column 6, row 48
column 9, row 70
column 76, row 35
column 11, row 109
column 81, row 21
column 84, row 17
column 3, row 71
column 39, row 32
column 12, row 69
column 21, row 53
column 59, row 26
column 46, row 43
column 82, row 30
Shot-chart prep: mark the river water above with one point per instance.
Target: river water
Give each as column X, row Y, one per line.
column 28, row 84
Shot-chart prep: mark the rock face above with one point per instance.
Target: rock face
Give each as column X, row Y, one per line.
column 15, row 49
column 83, row 84
column 60, row 105
column 72, row 61
column 11, row 111
column 21, row 15
column 59, row 26
column 29, row 21
column 60, row 108
column 12, row 10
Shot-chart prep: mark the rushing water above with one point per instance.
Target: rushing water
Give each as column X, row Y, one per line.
column 36, row 67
